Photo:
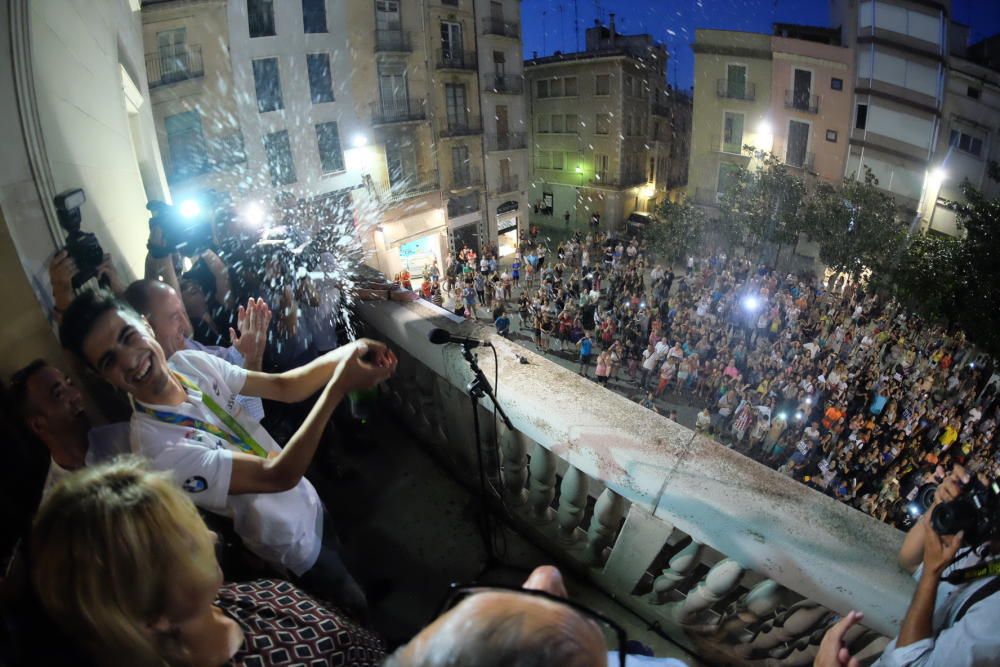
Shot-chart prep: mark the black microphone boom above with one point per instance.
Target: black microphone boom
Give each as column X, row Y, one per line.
column 443, row 337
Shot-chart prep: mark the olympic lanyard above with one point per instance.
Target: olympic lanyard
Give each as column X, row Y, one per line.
column 238, row 436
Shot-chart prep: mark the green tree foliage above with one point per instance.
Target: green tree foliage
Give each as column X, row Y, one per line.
column 927, row 276
column 855, row 225
column 763, row 204
column 977, row 295
column 678, row 231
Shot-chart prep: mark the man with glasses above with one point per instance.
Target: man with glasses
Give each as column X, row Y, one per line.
column 533, row 626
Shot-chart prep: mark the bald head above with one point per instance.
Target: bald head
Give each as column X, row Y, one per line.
column 160, row 304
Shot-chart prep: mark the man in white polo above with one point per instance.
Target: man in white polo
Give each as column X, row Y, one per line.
column 188, row 421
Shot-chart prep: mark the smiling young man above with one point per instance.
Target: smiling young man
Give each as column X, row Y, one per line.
column 187, row 421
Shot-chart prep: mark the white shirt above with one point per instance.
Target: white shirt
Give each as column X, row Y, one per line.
column 103, row 444
column 252, row 404
column 285, row 529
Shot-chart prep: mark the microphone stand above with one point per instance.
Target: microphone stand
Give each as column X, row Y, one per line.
column 477, row 388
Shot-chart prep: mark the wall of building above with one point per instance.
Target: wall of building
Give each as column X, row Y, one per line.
column 833, row 107
column 714, row 51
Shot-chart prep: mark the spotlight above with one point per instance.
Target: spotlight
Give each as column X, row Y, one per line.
column 359, row 140
column 938, row 175
column 751, row 304
column 799, row 416
column 189, row 208
column 783, row 416
column 809, row 401
column 914, row 510
column 253, row 214
column 764, row 128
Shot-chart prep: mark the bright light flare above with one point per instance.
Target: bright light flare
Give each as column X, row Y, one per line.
column 359, row 140
column 190, row 208
column 253, row 214
column 751, row 304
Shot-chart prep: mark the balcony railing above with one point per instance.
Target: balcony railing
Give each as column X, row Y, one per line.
column 734, row 91
column 736, row 562
column 170, row 65
column 407, row 187
column 494, row 26
column 734, row 146
column 661, row 110
column 803, row 161
column 503, row 84
column 463, row 205
column 801, row 101
column 506, row 185
column 457, row 60
column 392, row 41
column 462, row 127
column 398, row 111
column 506, row 142
column 466, row 178
column 611, row 181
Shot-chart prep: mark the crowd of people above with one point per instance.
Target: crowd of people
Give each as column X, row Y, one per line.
column 839, row 388
column 233, row 360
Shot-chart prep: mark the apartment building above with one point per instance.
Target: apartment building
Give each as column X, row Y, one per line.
column 191, row 91
column 505, row 119
column 595, row 115
column 732, row 107
column 294, row 103
column 967, row 141
column 812, row 88
column 901, row 54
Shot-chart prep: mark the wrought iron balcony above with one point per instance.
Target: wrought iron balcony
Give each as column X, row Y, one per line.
column 462, row 127
column 506, row 185
column 503, row 84
column 174, row 64
column 455, row 59
column 462, row 179
column 405, row 187
column 736, row 562
column 801, row 101
column 392, row 41
column 733, row 90
column 495, row 26
column 734, row 146
column 506, row 142
column 216, row 154
column 661, row 110
column 409, row 110
column 802, row 161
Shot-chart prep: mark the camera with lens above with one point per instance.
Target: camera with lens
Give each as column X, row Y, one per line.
column 976, row 511
column 187, row 227
column 83, row 247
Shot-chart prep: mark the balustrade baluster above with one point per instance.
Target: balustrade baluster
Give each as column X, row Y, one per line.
column 759, row 602
column 608, row 511
column 798, row 620
column 542, row 484
column 680, row 566
column 572, row 505
column 515, row 466
column 717, row 584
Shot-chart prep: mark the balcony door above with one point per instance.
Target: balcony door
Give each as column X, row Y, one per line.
column 392, row 89
column 496, row 12
column 387, row 16
column 502, row 123
column 451, row 40
column 454, row 98
column 505, row 180
column 801, row 88
column 172, row 47
column 460, row 174
column 736, row 81
column 401, row 162
column 798, row 143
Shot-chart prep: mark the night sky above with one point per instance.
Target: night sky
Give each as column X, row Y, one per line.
column 674, row 22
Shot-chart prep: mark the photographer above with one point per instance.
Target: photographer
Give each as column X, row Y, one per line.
column 952, row 616
column 62, row 271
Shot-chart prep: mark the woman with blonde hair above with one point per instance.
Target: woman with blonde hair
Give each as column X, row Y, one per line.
column 123, row 564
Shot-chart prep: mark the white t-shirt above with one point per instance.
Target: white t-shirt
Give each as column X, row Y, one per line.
column 103, row 444
column 285, row 529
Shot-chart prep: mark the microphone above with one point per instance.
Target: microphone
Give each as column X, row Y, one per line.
column 443, row 337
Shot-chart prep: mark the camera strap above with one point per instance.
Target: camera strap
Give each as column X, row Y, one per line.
column 981, row 594
column 967, row 574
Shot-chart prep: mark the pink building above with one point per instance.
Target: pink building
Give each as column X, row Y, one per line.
column 812, row 91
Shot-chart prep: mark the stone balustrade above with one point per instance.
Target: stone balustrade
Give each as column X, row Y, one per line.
column 734, row 561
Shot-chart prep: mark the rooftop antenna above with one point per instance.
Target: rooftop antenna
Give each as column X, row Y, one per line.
column 545, row 30
column 562, row 25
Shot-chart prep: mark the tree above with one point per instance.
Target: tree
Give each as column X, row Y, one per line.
column 677, row 230
column 762, row 205
column 977, row 294
column 856, row 226
column 928, row 276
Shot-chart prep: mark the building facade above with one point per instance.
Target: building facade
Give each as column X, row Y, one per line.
column 732, row 107
column 191, row 85
column 901, row 54
column 601, row 125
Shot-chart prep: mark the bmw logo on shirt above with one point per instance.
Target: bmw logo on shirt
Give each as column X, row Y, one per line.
column 195, row 484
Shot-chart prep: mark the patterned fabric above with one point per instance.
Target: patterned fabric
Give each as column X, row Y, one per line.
column 284, row 626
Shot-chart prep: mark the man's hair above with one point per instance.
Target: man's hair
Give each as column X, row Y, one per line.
column 17, row 390
column 138, row 294
column 500, row 641
column 81, row 316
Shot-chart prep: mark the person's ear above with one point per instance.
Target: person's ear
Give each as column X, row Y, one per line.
column 37, row 424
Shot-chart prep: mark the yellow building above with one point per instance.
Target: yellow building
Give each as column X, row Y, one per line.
column 732, row 100
column 600, row 127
